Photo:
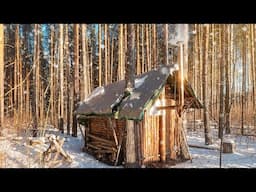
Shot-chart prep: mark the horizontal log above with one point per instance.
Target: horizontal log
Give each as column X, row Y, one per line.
column 203, row 147
column 93, row 146
column 100, row 139
column 101, row 147
column 97, row 143
column 105, row 151
column 107, row 147
column 167, row 107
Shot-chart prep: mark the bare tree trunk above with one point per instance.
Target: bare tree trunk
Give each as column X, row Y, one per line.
column 165, row 45
column 76, row 77
column 15, row 85
column 61, row 75
column 34, row 100
column 227, row 73
column 2, row 72
column 120, row 50
column 211, row 67
column 130, row 65
column 243, row 82
column 68, row 79
column 222, row 82
column 154, row 46
column 100, row 63
column 205, row 90
column 138, row 49
column 52, row 106
column 253, row 73
column 106, row 60
column 131, row 159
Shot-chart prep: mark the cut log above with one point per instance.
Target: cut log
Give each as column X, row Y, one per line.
column 99, row 147
column 100, row 143
column 100, row 139
column 228, row 146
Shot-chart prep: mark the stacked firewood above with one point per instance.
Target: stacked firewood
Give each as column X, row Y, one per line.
column 102, row 148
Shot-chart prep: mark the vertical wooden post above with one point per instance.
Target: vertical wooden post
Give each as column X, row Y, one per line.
column 181, row 76
column 172, row 133
column 162, row 130
column 138, row 147
column 130, row 144
column 168, row 128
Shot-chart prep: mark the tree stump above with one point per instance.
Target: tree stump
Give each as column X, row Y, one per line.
column 228, row 146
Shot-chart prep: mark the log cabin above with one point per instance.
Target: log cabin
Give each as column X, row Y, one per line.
column 153, row 110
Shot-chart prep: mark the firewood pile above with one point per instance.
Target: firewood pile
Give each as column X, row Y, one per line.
column 104, row 140
column 103, row 149
column 55, row 147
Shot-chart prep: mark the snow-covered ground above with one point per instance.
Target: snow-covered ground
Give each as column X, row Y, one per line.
column 19, row 154
column 244, row 156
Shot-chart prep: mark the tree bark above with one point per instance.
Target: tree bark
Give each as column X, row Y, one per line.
column 75, row 77
column 227, row 73
column 61, row 74
column 204, row 82
column 131, row 159
column 243, row 82
column 2, row 72
column 34, row 100
column 130, row 64
column 222, row 82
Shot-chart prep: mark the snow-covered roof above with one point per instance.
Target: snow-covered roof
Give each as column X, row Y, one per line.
column 110, row 100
